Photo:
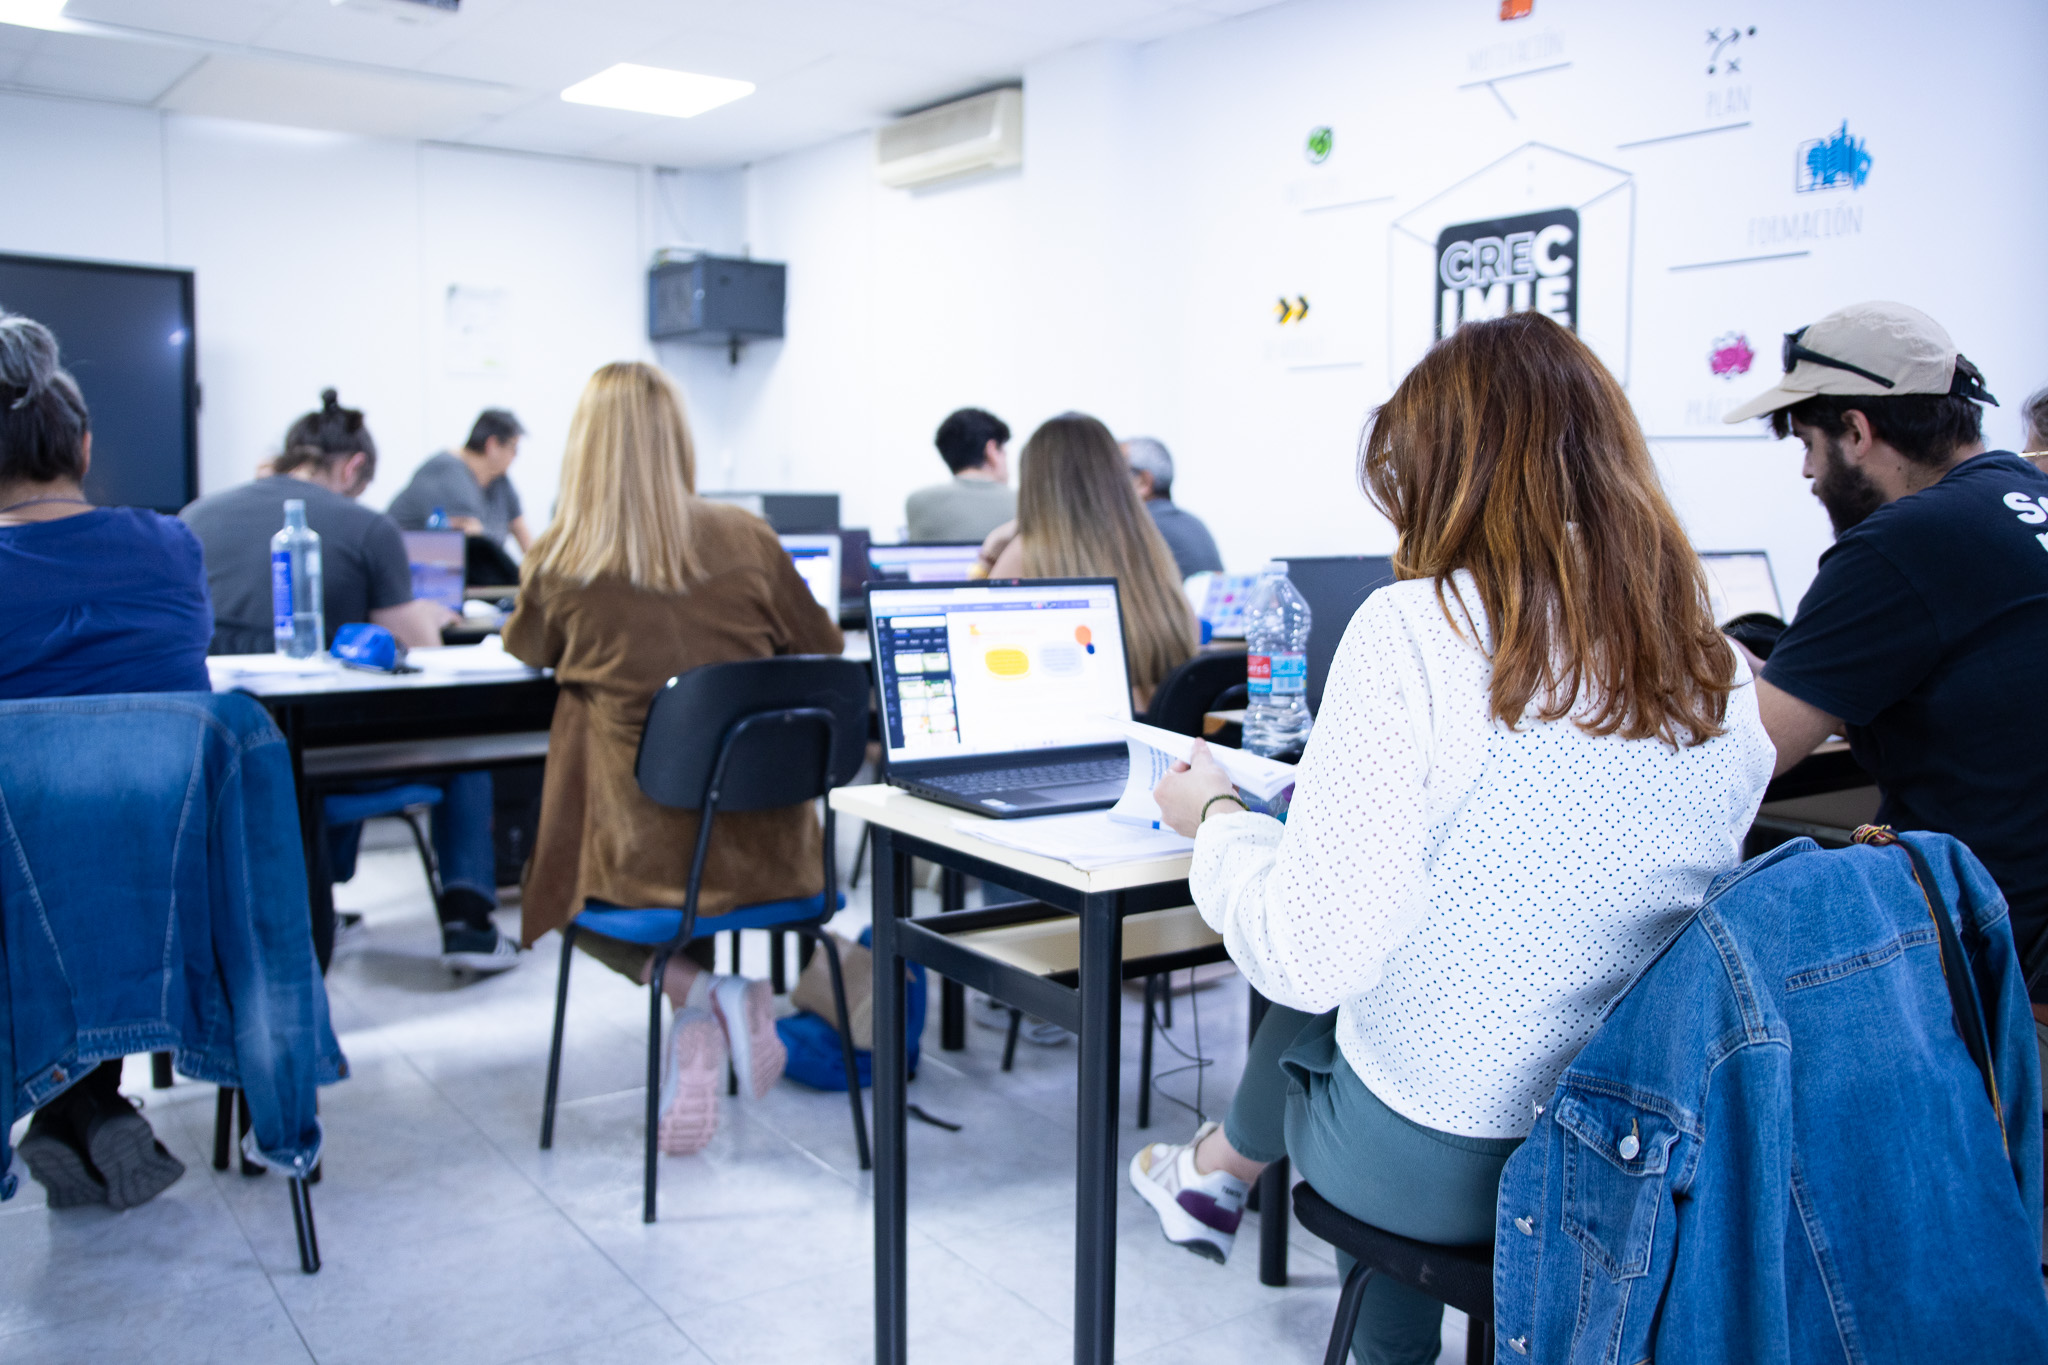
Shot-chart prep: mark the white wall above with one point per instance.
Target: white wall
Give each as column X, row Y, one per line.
column 325, row 259
column 1131, row 267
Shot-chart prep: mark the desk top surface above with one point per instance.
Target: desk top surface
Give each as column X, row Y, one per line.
column 274, row 682
column 895, row 809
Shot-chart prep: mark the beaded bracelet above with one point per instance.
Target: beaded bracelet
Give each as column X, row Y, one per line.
column 1221, row 796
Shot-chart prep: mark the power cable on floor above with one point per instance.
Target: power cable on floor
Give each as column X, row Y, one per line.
column 1197, row 1061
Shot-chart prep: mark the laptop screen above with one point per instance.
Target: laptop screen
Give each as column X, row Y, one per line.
column 437, row 559
column 817, row 559
column 1739, row 583
column 922, row 563
column 973, row 670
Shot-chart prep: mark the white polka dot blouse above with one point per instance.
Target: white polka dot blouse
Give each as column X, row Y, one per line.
column 1469, row 896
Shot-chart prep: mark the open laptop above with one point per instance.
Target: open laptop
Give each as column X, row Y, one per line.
column 996, row 697
column 941, row 563
column 817, row 559
column 1740, row 582
column 1335, row 587
column 438, row 559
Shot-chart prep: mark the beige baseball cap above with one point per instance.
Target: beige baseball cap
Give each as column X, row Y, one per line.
column 1873, row 349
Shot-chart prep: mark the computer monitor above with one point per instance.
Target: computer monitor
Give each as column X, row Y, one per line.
column 817, row 559
column 1739, row 582
column 1223, row 605
column 974, row 669
column 787, row 513
column 947, row 563
column 1335, row 587
column 853, row 567
column 438, row 559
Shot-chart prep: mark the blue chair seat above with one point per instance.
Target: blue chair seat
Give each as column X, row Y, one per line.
column 661, row 926
column 346, row 808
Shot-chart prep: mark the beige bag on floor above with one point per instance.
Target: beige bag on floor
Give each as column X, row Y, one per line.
column 814, row 990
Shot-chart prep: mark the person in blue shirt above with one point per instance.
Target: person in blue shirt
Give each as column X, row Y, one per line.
column 99, row 600
column 1924, row 635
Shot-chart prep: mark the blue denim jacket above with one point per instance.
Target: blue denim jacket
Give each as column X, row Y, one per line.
column 1777, row 1148
column 153, row 897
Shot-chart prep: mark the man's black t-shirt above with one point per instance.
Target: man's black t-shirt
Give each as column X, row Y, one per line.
column 1926, row 633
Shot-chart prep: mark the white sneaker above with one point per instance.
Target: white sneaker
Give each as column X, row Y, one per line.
column 690, row 1084
column 747, row 1010
column 1199, row 1212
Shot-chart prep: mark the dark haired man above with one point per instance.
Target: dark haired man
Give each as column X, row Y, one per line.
column 469, row 485
column 1924, row 637
column 978, row 498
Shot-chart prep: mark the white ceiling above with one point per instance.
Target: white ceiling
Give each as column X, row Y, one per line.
column 492, row 74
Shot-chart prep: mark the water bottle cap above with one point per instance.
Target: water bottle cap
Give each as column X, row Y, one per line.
column 295, row 512
column 1274, row 568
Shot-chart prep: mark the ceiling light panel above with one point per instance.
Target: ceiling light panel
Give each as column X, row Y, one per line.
column 656, row 90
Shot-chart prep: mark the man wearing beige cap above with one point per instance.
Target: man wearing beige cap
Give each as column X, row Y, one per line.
column 1924, row 637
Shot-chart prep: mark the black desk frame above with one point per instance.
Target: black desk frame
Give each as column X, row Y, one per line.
column 381, row 715
column 1092, row 1010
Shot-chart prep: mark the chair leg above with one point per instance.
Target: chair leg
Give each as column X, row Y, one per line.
column 223, row 1126
column 1348, row 1304
column 160, row 1071
column 860, row 860
column 1010, row 1039
column 653, row 1080
column 778, row 975
column 302, row 1224
column 1166, row 1000
column 1274, row 1212
column 1478, row 1342
column 846, row 1057
column 547, row 1104
column 1145, row 1056
column 426, row 848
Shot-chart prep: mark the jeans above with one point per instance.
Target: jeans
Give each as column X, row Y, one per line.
column 461, row 826
column 1299, row 1098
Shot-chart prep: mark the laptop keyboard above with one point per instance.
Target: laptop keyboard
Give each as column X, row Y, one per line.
column 1050, row 775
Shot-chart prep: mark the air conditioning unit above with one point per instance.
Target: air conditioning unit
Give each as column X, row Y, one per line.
column 980, row 133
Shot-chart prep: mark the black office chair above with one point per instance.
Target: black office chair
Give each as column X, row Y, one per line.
column 1461, row 1277
column 1203, row 684
column 753, row 735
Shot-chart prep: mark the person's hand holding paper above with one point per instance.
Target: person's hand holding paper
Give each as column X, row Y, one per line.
column 1166, row 767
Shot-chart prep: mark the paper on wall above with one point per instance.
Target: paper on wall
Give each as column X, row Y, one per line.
column 1154, row 751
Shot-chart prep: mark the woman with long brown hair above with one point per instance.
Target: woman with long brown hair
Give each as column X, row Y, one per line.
column 1534, row 753
column 1079, row 517
column 636, row 580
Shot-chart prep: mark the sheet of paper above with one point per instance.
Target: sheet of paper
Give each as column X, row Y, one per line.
column 488, row 657
column 1136, row 806
column 1264, row 778
column 1087, row 840
column 270, row 665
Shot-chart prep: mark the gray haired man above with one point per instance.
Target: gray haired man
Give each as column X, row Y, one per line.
column 1194, row 549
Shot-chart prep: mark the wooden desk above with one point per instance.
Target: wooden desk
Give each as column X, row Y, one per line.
column 904, row 826
column 345, row 724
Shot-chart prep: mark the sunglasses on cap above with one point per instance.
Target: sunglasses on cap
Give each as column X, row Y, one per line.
column 1794, row 353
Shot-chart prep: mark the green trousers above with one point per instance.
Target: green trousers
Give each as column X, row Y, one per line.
column 1299, row 1098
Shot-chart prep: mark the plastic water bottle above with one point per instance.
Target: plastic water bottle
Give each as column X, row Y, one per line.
column 1276, row 621
column 437, row 520
column 296, row 603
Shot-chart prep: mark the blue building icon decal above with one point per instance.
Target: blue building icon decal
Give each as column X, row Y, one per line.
column 1834, row 162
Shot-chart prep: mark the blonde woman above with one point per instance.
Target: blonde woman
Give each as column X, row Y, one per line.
column 634, row 581
column 1079, row 517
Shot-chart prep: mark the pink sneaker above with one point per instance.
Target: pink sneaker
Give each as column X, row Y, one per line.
column 689, row 1090
column 758, row 1055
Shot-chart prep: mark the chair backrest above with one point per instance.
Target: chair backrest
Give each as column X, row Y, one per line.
column 1194, row 689
column 798, row 727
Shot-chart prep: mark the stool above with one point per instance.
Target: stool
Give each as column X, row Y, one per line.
column 1461, row 1277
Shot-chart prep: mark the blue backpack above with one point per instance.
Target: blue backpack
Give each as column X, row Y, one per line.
column 813, row 1043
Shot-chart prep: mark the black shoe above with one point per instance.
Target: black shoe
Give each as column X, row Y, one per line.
column 484, row 951
column 134, row 1165
column 63, row 1169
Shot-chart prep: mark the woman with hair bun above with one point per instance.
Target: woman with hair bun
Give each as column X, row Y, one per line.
column 99, row 600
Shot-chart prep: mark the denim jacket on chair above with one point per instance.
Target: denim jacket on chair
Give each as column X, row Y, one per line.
column 1777, row 1148
column 153, row 898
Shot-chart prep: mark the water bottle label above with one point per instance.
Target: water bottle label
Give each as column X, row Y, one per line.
column 281, row 593
column 1287, row 674
column 1258, row 675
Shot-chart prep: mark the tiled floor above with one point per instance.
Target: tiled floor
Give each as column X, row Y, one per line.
column 449, row 1237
